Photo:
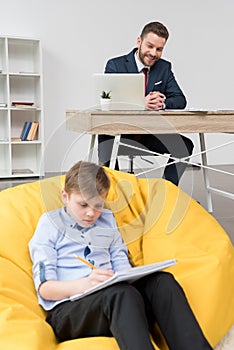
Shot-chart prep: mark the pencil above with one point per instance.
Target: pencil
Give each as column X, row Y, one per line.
column 85, row 262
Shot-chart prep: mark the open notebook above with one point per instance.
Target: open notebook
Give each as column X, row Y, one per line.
column 129, row 275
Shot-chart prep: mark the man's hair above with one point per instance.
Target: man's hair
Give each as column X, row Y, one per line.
column 156, row 28
column 88, row 179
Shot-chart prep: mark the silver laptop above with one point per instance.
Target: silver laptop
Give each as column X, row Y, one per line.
column 127, row 90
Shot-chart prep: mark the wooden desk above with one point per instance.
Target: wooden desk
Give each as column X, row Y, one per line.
column 96, row 122
column 144, row 122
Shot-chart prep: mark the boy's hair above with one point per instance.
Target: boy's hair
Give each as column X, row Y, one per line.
column 88, row 179
column 155, row 27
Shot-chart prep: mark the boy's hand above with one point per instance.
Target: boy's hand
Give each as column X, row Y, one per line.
column 56, row 290
column 99, row 275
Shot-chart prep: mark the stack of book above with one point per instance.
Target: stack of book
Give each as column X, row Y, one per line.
column 23, row 104
column 29, row 131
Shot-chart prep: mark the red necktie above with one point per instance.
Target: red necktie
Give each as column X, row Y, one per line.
column 145, row 71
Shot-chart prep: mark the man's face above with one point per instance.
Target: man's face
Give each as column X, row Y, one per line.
column 84, row 211
column 150, row 48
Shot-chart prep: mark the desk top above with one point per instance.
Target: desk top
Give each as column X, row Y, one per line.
column 150, row 122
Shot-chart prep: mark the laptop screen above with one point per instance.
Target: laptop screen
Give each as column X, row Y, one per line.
column 127, row 90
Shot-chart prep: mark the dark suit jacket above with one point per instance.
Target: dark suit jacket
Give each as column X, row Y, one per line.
column 161, row 78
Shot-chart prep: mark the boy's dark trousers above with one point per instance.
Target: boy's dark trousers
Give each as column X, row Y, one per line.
column 126, row 311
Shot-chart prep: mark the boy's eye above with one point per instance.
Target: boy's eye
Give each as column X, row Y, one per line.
column 83, row 204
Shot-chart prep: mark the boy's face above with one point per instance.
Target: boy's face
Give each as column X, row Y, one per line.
column 84, row 211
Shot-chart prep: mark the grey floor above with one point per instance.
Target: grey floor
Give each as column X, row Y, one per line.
column 192, row 183
column 223, row 208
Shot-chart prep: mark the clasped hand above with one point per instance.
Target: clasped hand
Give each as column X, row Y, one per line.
column 155, row 100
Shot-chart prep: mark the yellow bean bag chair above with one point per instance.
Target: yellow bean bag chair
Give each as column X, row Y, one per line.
column 157, row 221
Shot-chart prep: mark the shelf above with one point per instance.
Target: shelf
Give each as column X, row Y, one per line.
column 18, row 118
column 27, row 155
column 25, row 88
column 24, row 55
column 20, row 81
column 36, row 142
column 24, row 108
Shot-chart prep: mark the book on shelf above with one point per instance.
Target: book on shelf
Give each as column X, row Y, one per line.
column 25, row 130
column 3, row 105
column 130, row 275
column 16, row 139
column 21, row 171
column 33, row 131
column 23, row 104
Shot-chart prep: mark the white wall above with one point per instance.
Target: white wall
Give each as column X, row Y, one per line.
column 79, row 36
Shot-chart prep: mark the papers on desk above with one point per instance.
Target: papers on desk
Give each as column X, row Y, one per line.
column 197, row 110
column 130, row 275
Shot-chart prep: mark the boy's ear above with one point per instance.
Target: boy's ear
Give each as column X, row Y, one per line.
column 64, row 196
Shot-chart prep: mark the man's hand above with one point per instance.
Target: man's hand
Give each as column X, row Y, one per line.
column 155, row 100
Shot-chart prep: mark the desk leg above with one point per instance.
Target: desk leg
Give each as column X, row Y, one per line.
column 205, row 173
column 91, row 148
column 114, row 152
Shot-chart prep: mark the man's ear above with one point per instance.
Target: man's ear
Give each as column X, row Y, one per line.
column 138, row 42
column 64, row 196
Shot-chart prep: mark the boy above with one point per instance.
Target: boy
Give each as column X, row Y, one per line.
column 128, row 312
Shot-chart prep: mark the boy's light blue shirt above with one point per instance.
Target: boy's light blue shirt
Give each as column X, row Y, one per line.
column 57, row 241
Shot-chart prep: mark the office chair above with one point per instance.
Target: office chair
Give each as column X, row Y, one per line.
column 129, row 151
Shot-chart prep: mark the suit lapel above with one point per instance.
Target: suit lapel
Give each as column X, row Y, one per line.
column 155, row 77
column 131, row 63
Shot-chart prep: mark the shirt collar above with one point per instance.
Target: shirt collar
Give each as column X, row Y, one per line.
column 68, row 220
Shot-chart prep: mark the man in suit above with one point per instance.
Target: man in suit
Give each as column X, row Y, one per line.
column 162, row 91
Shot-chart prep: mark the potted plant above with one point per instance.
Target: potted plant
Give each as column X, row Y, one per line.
column 105, row 100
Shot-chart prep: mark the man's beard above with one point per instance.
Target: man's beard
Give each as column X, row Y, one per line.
column 142, row 56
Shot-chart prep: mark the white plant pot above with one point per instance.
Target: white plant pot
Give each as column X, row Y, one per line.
column 105, row 104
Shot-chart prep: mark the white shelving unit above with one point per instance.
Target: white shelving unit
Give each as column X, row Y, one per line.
column 20, row 81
